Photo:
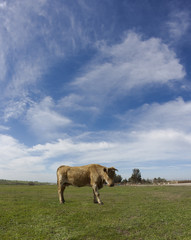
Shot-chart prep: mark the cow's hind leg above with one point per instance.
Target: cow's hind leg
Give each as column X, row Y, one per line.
column 96, row 195
column 61, row 188
column 95, row 199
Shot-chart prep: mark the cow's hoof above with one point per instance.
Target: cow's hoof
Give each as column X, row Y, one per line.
column 101, row 203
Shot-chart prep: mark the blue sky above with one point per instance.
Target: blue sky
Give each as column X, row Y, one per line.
column 101, row 81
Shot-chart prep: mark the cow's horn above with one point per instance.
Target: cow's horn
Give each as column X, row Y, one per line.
column 114, row 169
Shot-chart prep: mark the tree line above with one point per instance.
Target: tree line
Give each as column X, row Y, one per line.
column 137, row 179
column 18, row 182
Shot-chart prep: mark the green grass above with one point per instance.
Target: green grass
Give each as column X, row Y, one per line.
column 149, row 213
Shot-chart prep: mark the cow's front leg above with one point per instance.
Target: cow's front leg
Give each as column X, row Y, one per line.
column 96, row 195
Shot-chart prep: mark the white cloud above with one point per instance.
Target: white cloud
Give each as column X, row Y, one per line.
column 10, row 149
column 75, row 103
column 173, row 114
column 161, row 145
column 44, row 121
column 3, row 5
column 128, row 147
column 153, row 148
column 15, row 157
column 132, row 63
column 178, row 24
column 4, row 128
column 124, row 150
column 71, row 147
column 20, row 162
column 160, row 136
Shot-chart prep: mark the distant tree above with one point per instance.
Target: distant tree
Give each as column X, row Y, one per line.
column 117, row 179
column 159, row 180
column 146, row 181
column 124, row 181
column 31, row 183
column 136, row 176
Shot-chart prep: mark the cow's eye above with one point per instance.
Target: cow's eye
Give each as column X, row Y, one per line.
column 104, row 170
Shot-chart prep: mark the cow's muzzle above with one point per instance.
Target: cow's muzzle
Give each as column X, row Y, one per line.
column 111, row 185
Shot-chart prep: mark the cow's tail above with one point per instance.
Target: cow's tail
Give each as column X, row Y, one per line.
column 58, row 172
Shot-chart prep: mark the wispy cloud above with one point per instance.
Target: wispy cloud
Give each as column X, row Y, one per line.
column 30, row 43
column 174, row 114
column 74, row 102
column 4, row 128
column 178, row 24
column 3, row 5
column 14, row 108
column 44, row 121
column 21, row 59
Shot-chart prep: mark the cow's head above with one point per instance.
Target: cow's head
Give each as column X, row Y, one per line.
column 108, row 175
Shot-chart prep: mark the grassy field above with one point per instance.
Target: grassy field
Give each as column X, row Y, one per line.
column 149, row 213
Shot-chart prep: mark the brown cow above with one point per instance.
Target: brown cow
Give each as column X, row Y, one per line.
column 93, row 175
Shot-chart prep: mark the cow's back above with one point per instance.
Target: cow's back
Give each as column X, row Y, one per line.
column 77, row 176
